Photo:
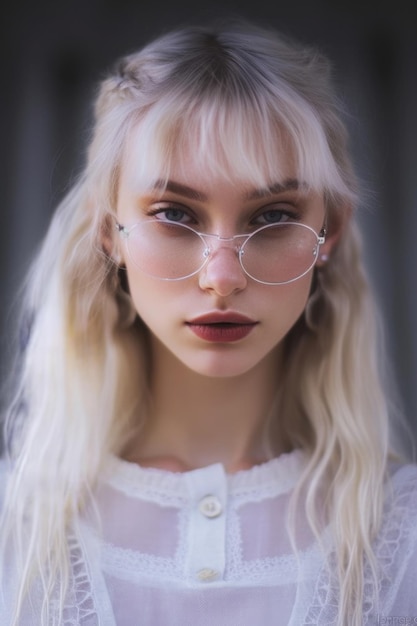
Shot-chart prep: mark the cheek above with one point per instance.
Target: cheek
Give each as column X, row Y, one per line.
column 288, row 305
column 151, row 297
column 293, row 297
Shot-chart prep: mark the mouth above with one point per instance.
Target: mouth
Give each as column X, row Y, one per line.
column 222, row 327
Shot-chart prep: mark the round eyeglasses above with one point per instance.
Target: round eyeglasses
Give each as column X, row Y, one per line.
column 274, row 254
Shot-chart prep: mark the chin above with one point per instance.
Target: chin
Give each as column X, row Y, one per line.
column 222, row 365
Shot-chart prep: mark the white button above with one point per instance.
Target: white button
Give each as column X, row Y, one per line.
column 207, row 574
column 210, row 506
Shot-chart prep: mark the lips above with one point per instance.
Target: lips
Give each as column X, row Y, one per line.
column 222, row 327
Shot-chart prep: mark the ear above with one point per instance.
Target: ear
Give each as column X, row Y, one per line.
column 111, row 245
column 336, row 224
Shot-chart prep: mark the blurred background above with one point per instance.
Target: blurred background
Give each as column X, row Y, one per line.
column 54, row 53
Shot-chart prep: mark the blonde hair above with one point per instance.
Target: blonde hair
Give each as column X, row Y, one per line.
column 241, row 98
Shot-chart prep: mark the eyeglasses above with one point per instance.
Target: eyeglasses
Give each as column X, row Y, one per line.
column 274, row 254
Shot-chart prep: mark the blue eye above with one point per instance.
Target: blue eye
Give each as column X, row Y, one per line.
column 277, row 213
column 273, row 216
column 173, row 215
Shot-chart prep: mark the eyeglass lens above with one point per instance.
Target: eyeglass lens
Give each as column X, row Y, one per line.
column 274, row 254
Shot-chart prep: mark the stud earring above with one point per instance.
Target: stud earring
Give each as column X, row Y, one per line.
column 324, row 257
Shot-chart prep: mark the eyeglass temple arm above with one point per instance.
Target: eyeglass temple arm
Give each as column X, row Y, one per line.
column 124, row 232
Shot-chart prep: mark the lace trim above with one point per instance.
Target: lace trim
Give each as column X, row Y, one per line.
column 270, row 570
column 79, row 608
column 150, row 484
column 166, row 488
column 233, row 545
column 132, row 566
column 392, row 553
column 269, row 480
column 399, row 533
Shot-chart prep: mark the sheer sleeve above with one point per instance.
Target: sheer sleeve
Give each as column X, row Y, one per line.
column 397, row 551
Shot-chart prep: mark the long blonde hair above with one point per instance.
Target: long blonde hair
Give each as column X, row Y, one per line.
column 241, row 98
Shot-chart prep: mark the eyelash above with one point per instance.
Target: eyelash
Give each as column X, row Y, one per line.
column 166, row 209
column 285, row 214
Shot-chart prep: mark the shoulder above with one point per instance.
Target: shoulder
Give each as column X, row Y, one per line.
column 397, row 535
column 397, row 538
column 4, row 468
column 396, row 543
column 4, row 476
column 402, row 481
column 401, row 493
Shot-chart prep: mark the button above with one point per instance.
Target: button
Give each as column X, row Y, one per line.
column 210, row 506
column 207, row 574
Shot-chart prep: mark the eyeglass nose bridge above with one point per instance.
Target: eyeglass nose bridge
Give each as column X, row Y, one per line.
column 224, row 242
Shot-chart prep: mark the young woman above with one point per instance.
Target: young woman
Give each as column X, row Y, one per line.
column 199, row 432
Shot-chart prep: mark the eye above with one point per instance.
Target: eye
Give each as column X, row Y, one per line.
column 171, row 214
column 275, row 216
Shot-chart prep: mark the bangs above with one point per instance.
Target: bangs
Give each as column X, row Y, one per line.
column 240, row 139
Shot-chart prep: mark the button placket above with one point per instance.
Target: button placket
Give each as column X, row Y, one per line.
column 207, row 524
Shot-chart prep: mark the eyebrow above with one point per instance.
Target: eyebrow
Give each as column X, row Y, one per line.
column 180, row 189
column 195, row 194
column 290, row 184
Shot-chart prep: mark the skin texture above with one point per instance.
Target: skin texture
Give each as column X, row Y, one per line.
column 211, row 399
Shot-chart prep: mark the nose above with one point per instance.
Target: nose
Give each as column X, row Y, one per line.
column 223, row 273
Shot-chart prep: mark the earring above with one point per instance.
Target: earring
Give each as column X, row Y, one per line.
column 117, row 259
column 324, row 257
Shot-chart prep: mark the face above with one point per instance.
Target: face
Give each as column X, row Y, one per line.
column 218, row 322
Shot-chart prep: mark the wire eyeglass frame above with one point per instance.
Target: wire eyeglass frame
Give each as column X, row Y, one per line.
column 125, row 232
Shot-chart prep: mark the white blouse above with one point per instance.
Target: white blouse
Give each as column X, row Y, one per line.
column 203, row 548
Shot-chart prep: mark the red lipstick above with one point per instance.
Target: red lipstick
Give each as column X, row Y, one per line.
column 219, row 327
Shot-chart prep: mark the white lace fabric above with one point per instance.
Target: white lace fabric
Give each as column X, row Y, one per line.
column 207, row 549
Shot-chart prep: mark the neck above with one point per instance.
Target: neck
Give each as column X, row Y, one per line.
column 197, row 420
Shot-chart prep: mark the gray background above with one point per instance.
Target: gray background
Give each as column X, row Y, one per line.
column 54, row 53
